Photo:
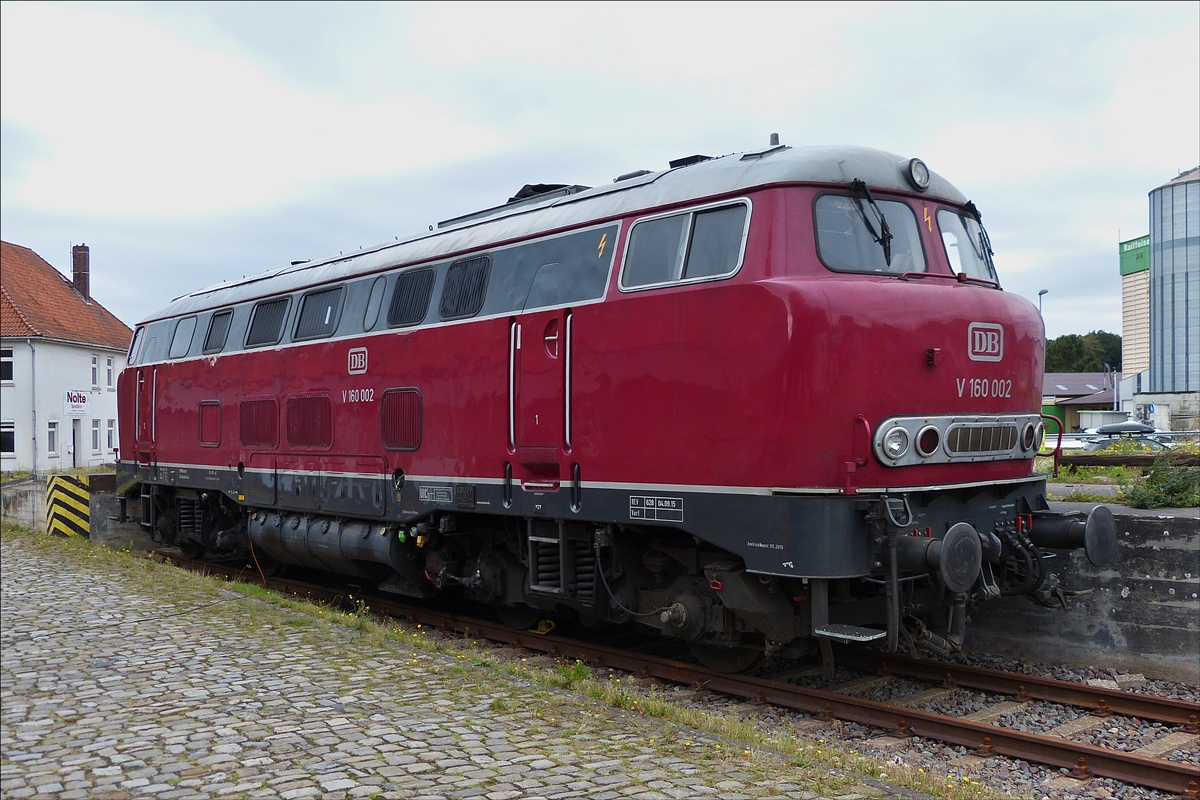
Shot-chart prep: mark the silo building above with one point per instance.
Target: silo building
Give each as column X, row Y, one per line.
column 1174, row 287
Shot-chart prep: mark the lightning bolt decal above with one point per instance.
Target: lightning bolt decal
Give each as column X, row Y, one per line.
column 928, row 219
column 604, row 241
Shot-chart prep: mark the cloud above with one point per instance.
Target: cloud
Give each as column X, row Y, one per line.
column 138, row 122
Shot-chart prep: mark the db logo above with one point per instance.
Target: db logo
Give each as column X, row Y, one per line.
column 985, row 341
column 356, row 361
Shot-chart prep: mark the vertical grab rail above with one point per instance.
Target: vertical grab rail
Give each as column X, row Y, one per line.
column 514, row 333
column 1058, row 446
column 567, row 384
column 154, row 406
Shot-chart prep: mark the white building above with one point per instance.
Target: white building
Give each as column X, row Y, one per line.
column 60, row 354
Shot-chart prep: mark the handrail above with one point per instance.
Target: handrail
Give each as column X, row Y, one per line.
column 1057, row 447
column 907, row 275
column 963, row 277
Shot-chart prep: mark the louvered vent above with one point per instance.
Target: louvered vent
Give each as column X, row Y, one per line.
column 309, row 422
column 210, row 423
column 410, row 298
column 465, row 289
column 267, row 325
column 401, row 419
column 218, row 331
column 982, row 438
column 259, row 423
column 319, row 314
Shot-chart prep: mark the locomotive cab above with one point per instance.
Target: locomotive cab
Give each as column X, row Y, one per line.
column 758, row 403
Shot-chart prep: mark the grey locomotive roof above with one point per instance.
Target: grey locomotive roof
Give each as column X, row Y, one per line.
column 728, row 174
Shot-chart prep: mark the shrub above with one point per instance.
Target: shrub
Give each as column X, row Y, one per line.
column 1167, row 486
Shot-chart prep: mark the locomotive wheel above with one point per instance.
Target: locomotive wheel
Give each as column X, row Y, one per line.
column 191, row 550
column 269, row 566
column 725, row 659
column 519, row 617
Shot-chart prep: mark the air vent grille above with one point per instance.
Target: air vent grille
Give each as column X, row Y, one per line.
column 259, row 423
column 410, row 298
column 981, row 438
column 309, row 421
column 267, row 325
column 465, row 289
column 401, row 419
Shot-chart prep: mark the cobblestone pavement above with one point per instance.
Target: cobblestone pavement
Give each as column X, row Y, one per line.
column 128, row 679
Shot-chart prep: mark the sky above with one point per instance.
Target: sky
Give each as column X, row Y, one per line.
column 192, row 143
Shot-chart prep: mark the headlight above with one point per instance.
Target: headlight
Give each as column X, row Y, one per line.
column 1029, row 436
column 895, row 443
column 928, row 441
column 918, row 174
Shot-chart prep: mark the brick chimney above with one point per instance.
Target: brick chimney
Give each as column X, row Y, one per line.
column 81, row 270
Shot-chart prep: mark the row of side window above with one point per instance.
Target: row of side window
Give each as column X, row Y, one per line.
column 699, row 244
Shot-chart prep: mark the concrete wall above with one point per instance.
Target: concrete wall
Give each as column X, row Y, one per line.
column 24, row 503
column 58, row 368
column 1142, row 614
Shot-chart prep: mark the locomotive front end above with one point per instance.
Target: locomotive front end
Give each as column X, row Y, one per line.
column 937, row 372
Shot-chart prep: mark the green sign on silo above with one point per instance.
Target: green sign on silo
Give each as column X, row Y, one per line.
column 1135, row 255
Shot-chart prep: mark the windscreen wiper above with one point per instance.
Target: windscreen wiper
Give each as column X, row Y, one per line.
column 884, row 236
column 984, row 248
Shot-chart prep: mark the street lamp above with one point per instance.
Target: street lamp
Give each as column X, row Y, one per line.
column 1042, row 292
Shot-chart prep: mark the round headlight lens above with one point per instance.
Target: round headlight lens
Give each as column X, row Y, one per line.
column 1029, row 436
column 895, row 443
column 918, row 174
column 928, row 440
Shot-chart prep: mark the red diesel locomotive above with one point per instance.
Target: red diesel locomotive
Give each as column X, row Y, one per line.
column 752, row 401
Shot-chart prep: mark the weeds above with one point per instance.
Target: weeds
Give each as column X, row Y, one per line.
column 573, row 674
column 1167, row 486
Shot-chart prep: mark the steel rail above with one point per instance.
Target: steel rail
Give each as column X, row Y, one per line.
column 1096, row 698
column 1084, row 760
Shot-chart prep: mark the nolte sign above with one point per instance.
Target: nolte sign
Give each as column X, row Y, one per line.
column 75, row 404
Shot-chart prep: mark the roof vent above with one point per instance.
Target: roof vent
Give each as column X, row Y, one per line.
column 530, row 193
column 637, row 173
column 774, row 140
column 688, row 161
column 534, row 189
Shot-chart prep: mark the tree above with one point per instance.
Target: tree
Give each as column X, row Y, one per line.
column 1089, row 353
column 1106, row 347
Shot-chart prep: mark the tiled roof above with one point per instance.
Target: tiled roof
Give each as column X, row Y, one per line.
column 1104, row 397
column 1077, row 384
column 38, row 301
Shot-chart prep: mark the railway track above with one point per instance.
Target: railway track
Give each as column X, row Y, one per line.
column 979, row 734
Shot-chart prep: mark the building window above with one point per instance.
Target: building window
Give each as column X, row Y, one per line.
column 8, row 438
column 95, row 436
column 110, row 372
column 52, row 438
column 95, row 370
column 6, row 365
column 112, row 434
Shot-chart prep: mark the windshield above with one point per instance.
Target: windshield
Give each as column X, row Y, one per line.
column 848, row 236
column 967, row 245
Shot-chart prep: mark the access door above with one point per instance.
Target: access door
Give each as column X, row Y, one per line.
column 541, row 418
column 144, row 424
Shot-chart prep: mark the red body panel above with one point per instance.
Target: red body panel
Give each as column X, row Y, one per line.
column 752, row 381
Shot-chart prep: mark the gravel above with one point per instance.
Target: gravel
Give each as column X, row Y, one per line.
column 962, row 703
column 1125, row 733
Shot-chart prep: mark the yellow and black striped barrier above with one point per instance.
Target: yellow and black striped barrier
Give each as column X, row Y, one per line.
column 68, row 505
